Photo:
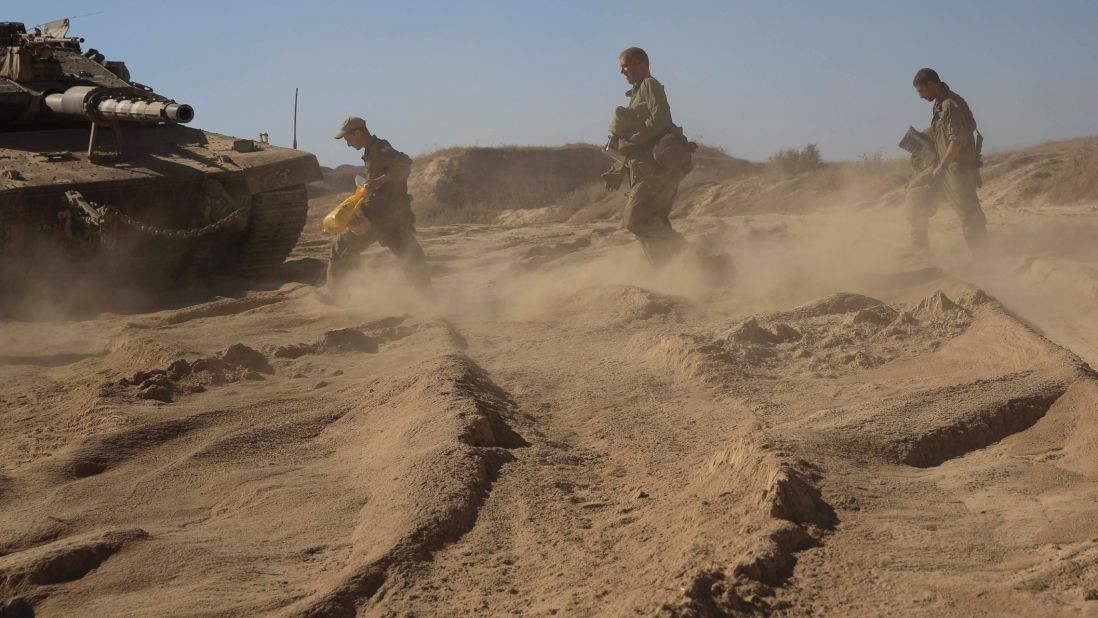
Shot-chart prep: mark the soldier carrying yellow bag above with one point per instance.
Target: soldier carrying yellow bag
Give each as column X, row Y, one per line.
column 385, row 215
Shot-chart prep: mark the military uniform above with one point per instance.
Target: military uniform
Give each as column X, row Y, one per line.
column 652, row 188
column 952, row 122
column 392, row 222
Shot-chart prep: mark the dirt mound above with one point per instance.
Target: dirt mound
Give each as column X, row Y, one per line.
column 786, row 514
column 473, row 184
column 835, row 304
column 62, row 561
column 235, row 363
column 833, row 336
column 337, row 181
column 366, row 338
column 456, row 457
column 1054, row 174
column 606, row 306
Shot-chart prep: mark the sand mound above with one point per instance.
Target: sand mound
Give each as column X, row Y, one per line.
column 779, row 489
column 235, row 363
column 1052, row 174
column 457, row 456
column 347, row 340
column 833, row 336
column 475, row 184
column 1068, row 431
column 605, row 306
column 63, row 561
column 338, row 181
column 779, row 512
column 834, row 305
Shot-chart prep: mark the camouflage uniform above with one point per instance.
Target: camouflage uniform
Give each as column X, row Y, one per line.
column 392, row 222
column 952, row 122
column 653, row 189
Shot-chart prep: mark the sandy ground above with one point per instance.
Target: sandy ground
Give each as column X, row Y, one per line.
column 837, row 430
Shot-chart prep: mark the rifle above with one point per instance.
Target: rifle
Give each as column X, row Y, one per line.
column 611, row 150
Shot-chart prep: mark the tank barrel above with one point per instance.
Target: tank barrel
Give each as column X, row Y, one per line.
column 144, row 111
column 96, row 104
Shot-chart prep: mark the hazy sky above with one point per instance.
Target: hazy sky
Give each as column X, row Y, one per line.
column 752, row 77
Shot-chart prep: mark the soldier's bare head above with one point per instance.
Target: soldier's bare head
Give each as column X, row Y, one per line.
column 634, row 64
column 928, row 84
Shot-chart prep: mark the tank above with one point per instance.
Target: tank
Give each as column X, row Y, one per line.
column 100, row 174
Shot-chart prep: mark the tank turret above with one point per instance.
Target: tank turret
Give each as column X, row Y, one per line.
column 48, row 79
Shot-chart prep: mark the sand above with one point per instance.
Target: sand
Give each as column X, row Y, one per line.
column 836, row 429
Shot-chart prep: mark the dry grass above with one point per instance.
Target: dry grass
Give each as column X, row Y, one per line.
column 1055, row 174
column 792, row 161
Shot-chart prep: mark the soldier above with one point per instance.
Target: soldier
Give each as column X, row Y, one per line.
column 955, row 176
column 652, row 187
column 388, row 209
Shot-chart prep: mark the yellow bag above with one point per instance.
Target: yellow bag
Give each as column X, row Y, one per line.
column 340, row 218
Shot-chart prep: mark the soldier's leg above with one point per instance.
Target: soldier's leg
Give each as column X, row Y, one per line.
column 401, row 240
column 346, row 248
column 647, row 215
column 920, row 204
column 960, row 189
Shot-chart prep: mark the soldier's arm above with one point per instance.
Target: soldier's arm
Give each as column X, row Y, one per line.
column 955, row 133
column 659, row 114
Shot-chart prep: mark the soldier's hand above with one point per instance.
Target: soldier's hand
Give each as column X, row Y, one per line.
column 612, row 180
column 922, row 179
column 373, row 184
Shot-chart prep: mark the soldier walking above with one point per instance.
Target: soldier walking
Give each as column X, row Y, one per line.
column 636, row 134
column 955, row 176
column 388, row 209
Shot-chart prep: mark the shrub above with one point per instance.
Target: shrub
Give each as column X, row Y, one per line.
column 793, row 161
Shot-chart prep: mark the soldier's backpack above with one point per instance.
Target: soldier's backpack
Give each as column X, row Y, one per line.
column 673, row 151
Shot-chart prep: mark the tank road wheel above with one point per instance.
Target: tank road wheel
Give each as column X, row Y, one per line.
column 276, row 221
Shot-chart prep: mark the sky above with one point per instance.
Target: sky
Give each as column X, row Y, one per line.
column 749, row 77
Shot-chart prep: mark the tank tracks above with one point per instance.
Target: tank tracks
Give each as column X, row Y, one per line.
column 273, row 229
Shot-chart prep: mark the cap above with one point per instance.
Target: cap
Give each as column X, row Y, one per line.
column 352, row 123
